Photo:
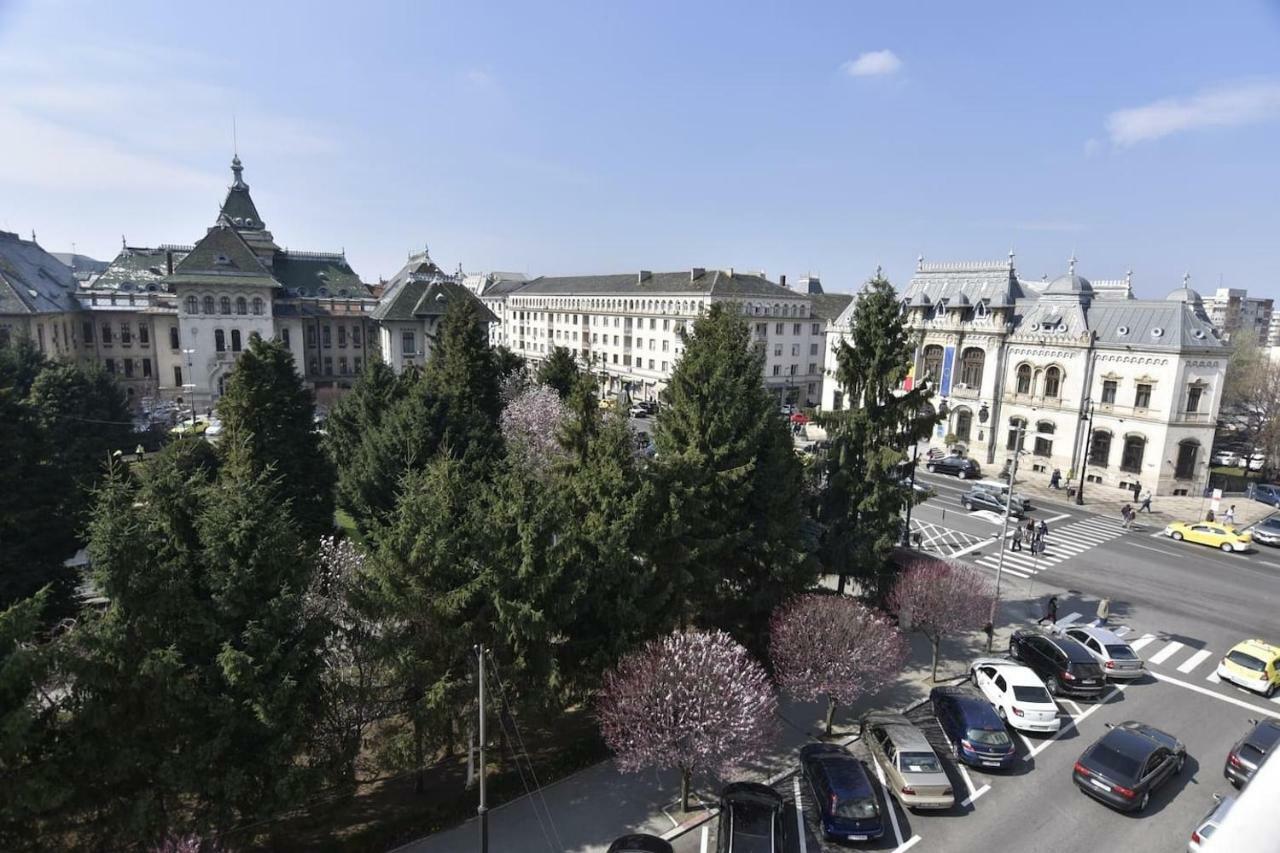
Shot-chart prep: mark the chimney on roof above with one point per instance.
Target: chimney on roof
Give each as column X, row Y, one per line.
column 782, row 279
column 697, row 273
column 644, row 276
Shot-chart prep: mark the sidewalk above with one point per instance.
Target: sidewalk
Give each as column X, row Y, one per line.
column 584, row 812
column 1107, row 501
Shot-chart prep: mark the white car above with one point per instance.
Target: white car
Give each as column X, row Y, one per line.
column 1116, row 657
column 1017, row 694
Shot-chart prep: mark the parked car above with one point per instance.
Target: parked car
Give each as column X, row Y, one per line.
column 1065, row 665
column 1254, row 665
column 1211, row 533
column 1117, row 658
column 640, row 843
column 848, row 807
column 1267, row 493
column 1267, row 531
column 956, row 466
column 1017, row 694
column 913, row 770
column 1126, row 764
column 974, row 729
column 750, row 819
column 1210, row 822
column 977, row 498
column 1244, row 759
column 638, row 412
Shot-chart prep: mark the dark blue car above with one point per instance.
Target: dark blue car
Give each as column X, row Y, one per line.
column 847, row 803
column 975, row 730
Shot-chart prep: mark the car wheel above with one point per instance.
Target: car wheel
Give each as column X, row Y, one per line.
column 1176, row 536
column 1052, row 686
column 1226, row 546
column 931, row 468
column 966, row 505
column 963, row 475
column 1271, row 690
column 1142, row 804
column 1182, row 762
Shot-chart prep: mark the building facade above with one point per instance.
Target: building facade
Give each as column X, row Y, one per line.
column 1232, row 311
column 1092, row 382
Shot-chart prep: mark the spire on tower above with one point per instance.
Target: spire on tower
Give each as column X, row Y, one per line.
column 236, row 170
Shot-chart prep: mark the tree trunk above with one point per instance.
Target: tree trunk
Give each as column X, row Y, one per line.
column 684, row 789
column 840, row 585
column 418, row 735
column 831, row 712
column 935, row 642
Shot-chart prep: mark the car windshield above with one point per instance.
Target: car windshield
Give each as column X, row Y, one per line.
column 1247, row 661
column 1115, row 764
column 987, row 737
column 856, row 809
column 752, row 822
column 1121, row 651
column 1035, row 695
column 919, row 762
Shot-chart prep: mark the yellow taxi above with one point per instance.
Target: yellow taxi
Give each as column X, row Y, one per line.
column 1209, row 533
column 1254, row 665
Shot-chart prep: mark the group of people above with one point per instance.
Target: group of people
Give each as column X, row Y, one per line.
column 1032, row 535
column 1128, row 514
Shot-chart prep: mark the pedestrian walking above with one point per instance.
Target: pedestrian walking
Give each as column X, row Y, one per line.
column 1229, row 517
column 1055, row 479
column 1126, row 516
column 1017, row 539
column 1043, row 528
column 1050, row 612
column 1146, row 501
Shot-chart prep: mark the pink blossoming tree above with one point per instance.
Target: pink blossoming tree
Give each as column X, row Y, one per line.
column 695, row 701
column 831, row 646
column 531, row 423
column 938, row 598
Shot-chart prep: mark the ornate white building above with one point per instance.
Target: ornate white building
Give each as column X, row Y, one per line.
column 1125, row 389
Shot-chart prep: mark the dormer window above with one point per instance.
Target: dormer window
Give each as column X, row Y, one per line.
column 222, row 260
column 980, row 310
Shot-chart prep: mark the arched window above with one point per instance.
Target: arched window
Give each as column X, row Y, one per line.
column 971, row 364
column 1100, row 448
column 1046, row 426
column 1053, row 382
column 964, row 424
column 235, row 340
column 242, row 306
column 1024, row 379
column 1134, row 448
column 225, row 305
column 1044, row 438
column 1017, row 434
column 1185, row 467
column 193, row 305
column 219, row 340
column 208, row 305
column 257, row 305
column 933, row 364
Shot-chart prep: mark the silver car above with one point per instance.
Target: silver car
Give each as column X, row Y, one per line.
column 1210, row 822
column 913, row 771
column 1116, row 657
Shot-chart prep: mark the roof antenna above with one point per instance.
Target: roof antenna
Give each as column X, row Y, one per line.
column 235, row 141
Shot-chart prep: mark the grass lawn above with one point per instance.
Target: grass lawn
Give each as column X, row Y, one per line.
column 347, row 525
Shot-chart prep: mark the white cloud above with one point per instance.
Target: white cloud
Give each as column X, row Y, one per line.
column 873, row 64
column 1230, row 106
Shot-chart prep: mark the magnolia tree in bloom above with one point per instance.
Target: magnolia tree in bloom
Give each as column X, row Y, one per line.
column 938, row 598
column 695, row 701
column 832, row 646
column 531, row 425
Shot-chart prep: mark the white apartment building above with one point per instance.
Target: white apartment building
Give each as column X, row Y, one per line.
column 1122, row 390
column 1232, row 310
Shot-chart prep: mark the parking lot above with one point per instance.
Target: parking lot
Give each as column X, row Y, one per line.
column 1036, row 806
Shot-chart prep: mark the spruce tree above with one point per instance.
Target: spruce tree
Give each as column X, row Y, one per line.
column 559, row 371
column 729, row 541
column 861, row 499
column 269, row 412
column 360, row 411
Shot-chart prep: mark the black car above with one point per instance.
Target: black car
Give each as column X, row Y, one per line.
column 640, row 843
column 1126, row 764
column 983, row 499
column 750, row 819
column 974, row 728
column 956, row 466
column 847, row 804
column 1065, row 666
column 1244, row 759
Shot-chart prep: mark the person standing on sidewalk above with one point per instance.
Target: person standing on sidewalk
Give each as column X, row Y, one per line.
column 1146, row 501
column 1051, row 612
column 1055, row 479
column 1137, row 490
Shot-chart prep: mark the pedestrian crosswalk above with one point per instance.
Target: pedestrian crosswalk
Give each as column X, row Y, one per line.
column 1188, row 656
column 940, row 539
column 1063, row 543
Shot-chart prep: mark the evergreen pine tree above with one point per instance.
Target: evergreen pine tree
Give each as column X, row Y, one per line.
column 360, row 411
column 267, row 410
column 861, row 499
column 559, row 371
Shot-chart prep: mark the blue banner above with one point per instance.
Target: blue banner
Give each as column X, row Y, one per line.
column 948, row 360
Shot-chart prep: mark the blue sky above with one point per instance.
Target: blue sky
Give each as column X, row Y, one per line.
column 558, row 138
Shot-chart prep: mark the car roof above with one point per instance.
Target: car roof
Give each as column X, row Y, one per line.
column 1264, row 735
column 1256, row 647
column 1128, row 742
column 751, row 794
column 1015, row 673
column 903, row 733
column 1102, row 635
column 1159, row 736
column 844, row 772
column 640, row 843
column 1075, row 652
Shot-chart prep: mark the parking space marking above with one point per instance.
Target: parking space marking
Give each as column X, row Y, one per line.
column 914, row 840
column 1073, row 721
column 705, row 829
column 1165, row 653
column 973, row 795
column 1215, row 694
column 1142, row 641
column 893, row 812
column 804, row 844
column 1213, row 677
column 1193, row 661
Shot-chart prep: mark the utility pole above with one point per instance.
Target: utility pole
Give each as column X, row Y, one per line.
column 1084, row 454
column 483, row 810
column 911, row 497
column 1004, row 529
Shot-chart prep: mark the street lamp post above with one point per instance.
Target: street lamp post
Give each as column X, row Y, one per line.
column 1087, row 417
column 192, row 385
column 911, row 497
column 1004, row 530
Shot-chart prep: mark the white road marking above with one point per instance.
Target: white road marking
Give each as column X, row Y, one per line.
column 994, row 541
column 915, row 839
column 1027, row 742
column 1147, row 548
column 703, row 848
column 1073, row 704
column 1216, row 695
column 804, row 845
column 968, row 801
column 1057, row 518
column 1068, row 619
column 1194, row 661
column 1071, row 723
column 1121, row 631
column 890, row 804
column 1157, row 533
column 1213, row 677
column 1142, row 641
column 1165, row 653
